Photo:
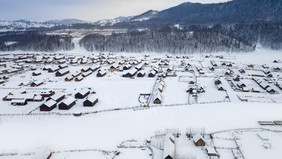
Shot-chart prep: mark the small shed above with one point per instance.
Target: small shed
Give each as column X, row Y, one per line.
column 67, row 103
column 82, row 93
column 90, row 101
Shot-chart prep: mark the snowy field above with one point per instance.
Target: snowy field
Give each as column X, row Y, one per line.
column 119, row 115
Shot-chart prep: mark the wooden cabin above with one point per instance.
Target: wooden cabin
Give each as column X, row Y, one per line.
column 211, row 151
column 53, row 69
column 90, row 101
column 69, row 78
column 62, row 66
column 152, row 73
column 141, row 73
column 82, row 93
column 36, row 83
column 199, row 140
column 101, row 73
column 19, row 102
column 62, row 72
column 127, row 67
column 169, row 147
column 158, row 99
column 67, row 103
column 49, row 105
column 57, row 97
column 85, row 74
column 36, row 73
column 130, row 73
column 47, row 93
column 79, row 78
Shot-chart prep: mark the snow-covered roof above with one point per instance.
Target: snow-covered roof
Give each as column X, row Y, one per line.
column 84, row 91
column 102, row 72
column 57, row 96
column 92, row 98
column 62, row 71
column 169, row 146
column 211, row 150
column 197, row 137
column 158, row 96
column 69, row 100
column 50, row 103
column 142, row 72
column 21, row 100
column 43, row 153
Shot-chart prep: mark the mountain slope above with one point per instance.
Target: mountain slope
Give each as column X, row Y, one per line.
column 145, row 16
column 65, row 21
column 228, row 12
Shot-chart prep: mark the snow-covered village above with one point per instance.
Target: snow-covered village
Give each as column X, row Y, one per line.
column 182, row 80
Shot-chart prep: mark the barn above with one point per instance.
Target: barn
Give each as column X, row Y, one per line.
column 199, row 140
column 90, row 101
column 62, row 72
column 67, row 103
column 49, row 105
column 82, row 93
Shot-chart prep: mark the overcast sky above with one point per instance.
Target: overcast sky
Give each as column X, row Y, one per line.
column 90, row 10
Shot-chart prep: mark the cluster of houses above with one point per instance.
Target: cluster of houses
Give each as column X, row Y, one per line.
column 65, row 103
column 219, row 85
column 169, row 146
column 264, row 85
column 21, row 98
